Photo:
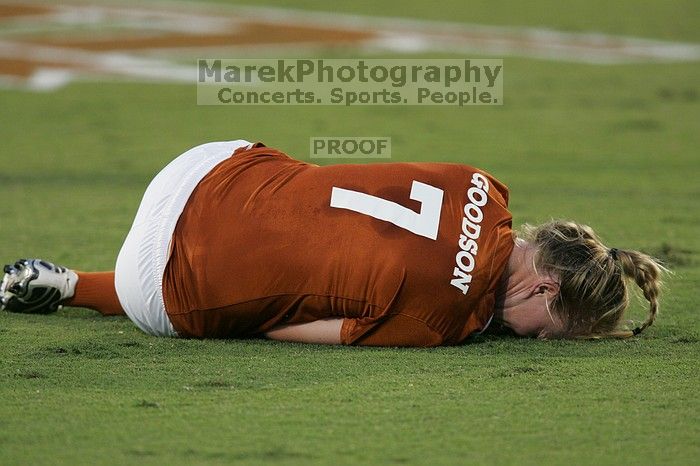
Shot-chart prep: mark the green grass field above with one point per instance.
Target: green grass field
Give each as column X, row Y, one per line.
column 612, row 146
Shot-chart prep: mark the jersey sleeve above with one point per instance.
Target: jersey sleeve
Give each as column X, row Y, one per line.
column 395, row 330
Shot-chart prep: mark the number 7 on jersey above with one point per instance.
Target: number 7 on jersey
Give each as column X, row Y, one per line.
column 425, row 223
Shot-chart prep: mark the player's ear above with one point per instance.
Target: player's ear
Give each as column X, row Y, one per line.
column 545, row 287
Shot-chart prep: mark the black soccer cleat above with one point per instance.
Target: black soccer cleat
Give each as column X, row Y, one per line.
column 34, row 286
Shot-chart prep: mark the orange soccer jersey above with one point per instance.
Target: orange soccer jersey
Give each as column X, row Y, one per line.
column 408, row 254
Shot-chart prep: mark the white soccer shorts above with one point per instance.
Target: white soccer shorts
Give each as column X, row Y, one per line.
column 146, row 250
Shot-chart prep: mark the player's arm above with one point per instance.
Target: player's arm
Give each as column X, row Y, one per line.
column 397, row 330
column 325, row 331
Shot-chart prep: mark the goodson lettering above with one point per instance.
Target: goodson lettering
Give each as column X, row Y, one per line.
column 465, row 260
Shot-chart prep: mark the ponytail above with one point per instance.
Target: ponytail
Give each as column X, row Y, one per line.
column 646, row 273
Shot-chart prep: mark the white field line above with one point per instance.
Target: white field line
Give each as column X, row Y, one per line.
column 393, row 34
column 411, row 36
column 112, row 64
column 396, row 35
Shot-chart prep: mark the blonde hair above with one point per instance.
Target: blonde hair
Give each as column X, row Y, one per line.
column 593, row 279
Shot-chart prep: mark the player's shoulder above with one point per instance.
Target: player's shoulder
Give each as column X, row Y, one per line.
column 495, row 188
column 475, row 177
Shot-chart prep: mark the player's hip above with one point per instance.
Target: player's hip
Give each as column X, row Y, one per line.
column 145, row 252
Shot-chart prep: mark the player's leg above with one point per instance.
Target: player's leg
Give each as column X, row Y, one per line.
column 95, row 290
column 40, row 287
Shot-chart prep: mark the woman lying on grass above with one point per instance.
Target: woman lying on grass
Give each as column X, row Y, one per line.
column 236, row 240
